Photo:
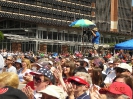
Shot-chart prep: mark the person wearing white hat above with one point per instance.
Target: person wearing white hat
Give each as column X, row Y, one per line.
column 53, row 92
column 86, row 63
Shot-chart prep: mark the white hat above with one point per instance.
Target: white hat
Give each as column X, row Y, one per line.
column 54, row 91
column 125, row 66
column 50, row 62
column 86, row 60
column 110, row 61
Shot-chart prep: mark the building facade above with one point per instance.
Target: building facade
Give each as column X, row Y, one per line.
column 114, row 15
column 44, row 24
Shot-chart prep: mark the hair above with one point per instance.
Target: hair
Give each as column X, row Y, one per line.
column 80, row 69
column 115, row 96
column 27, row 61
column 72, row 67
column 117, row 60
column 97, row 76
column 9, row 79
column 86, row 76
column 128, row 80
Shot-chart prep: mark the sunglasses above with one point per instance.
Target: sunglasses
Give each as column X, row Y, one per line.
column 37, row 79
column 120, row 70
column 76, row 83
column 9, row 59
column 66, row 66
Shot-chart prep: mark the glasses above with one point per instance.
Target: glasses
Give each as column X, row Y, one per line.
column 76, row 83
column 120, row 70
column 9, row 59
column 66, row 67
column 37, row 79
column 76, row 65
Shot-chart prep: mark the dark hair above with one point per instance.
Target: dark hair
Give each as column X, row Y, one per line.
column 80, row 69
column 128, row 80
column 72, row 67
column 97, row 76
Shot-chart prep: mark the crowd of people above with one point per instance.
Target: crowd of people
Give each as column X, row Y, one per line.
column 66, row 76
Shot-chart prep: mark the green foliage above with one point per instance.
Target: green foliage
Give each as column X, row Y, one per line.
column 1, row 35
column 111, row 44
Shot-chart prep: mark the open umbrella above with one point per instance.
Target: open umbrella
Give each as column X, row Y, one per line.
column 82, row 23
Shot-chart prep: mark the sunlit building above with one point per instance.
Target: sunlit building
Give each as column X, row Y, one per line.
column 44, row 24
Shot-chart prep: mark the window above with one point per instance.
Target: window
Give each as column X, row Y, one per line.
column 44, row 34
column 54, row 35
column 49, row 35
column 59, row 36
column 66, row 37
column 70, row 37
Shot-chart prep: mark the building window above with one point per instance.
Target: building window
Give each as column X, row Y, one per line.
column 59, row 36
column 49, row 35
column 54, row 35
column 44, row 34
column 66, row 36
column 70, row 37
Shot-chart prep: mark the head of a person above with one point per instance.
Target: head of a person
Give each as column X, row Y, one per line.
column 42, row 78
column 18, row 63
column 63, row 60
column 85, row 76
column 43, row 62
column 9, row 92
column 9, row 60
column 96, row 76
column 79, row 84
column 9, row 79
column 52, row 92
column 116, row 62
column 50, row 64
column 77, row 63
column 95, row 29
column 125, row 79
column 117, row 90
column 68, row 68
column 123, row 68
column 79, row 69
column 26, row 63
column 110, row 63
column 85, row 62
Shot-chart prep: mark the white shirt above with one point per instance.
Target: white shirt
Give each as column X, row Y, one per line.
column 21, row 75
column 110, row 77
column 11, row 69
column 1, row 63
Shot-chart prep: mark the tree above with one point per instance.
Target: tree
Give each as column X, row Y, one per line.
column 1, row 35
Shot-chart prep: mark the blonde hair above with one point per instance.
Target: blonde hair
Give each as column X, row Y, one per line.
column 9, row 79
column 27, row 61
column 86, row 76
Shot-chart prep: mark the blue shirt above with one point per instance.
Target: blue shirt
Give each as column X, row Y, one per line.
column 83, row 96
column 96, row 38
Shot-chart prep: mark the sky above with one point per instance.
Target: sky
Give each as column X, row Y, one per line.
column 132, row 2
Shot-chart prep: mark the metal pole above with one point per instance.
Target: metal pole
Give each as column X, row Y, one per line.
column 36, row 40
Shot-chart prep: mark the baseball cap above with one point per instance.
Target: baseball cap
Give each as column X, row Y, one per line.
column 8, row 92
column 118, row 88
column 54, row 91
column 18, row 61
column 45, row 72
column 79, row 80
column 111, row 61
column 125, row 66
column 50, row 62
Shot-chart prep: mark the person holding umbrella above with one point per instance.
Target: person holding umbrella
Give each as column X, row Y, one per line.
column 95, row 38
